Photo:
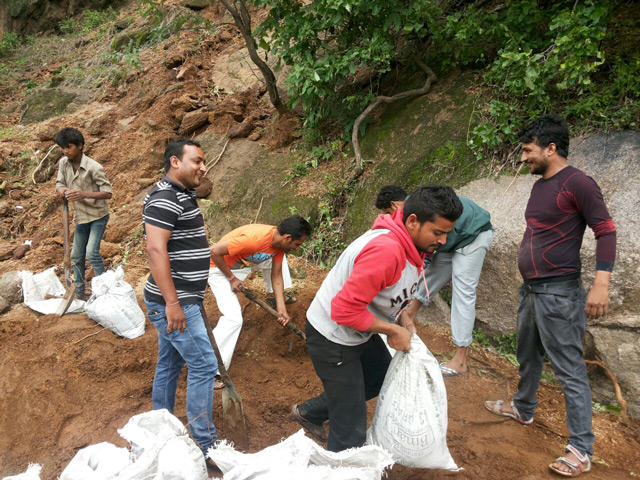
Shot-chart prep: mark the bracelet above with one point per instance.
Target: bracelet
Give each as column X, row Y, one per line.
column 230, row 278
column 172, row 304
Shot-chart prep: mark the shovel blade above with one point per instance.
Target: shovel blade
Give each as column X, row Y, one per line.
column 67, row 300
column 233, row 414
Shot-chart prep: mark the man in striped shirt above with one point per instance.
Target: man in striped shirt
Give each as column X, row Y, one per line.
column 179, row 263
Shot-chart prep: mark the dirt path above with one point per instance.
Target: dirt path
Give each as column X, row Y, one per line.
column 67, row 383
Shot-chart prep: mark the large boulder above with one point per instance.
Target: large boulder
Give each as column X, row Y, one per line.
column 234, row 71
column 613, row 161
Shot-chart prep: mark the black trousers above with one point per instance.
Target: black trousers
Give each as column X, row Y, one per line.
column 351, row 375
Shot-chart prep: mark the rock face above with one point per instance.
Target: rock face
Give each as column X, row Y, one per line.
column 613, row 161
column 46, row 103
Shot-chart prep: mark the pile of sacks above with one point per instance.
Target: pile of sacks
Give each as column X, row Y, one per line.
column 113, row 303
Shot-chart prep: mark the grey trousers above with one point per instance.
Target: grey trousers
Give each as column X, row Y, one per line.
column 551, row 318
column 463, row 267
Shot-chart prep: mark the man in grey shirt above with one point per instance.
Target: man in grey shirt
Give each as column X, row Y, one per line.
column 82, row 181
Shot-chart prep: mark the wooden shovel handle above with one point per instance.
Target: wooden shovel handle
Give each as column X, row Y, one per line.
column 252, row 296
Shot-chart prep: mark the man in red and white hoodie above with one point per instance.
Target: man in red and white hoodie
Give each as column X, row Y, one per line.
column 365, row 294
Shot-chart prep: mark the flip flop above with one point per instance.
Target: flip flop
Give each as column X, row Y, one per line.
column 449, row 372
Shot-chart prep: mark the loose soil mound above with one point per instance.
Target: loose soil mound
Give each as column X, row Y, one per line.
column 67, row 383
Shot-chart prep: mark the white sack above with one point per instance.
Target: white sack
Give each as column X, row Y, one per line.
column 32, row 473
column 411, row 414
column 97, row 462
column 36, row 287
column 113, row 304
column 299, row 457
column 161, row 449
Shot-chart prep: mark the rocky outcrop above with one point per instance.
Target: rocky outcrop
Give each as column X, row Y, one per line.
column 613, row 161
column 36, row 16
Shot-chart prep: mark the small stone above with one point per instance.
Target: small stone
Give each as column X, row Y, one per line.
column 174, row 60
column 195, row 4
column 241, row 130
column 204, row 189
column 125, row 123
column 19, row 252
column 193, row 120
column 255, row 136
column 11, row 286
column 6, row 251
column 186, row 72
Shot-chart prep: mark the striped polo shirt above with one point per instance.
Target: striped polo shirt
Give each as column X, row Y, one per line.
column 170, row 206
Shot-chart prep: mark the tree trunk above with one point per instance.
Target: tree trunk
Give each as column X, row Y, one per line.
column 242, row 19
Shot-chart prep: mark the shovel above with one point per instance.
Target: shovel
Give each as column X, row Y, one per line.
column 252, row 296
column 232, row 408
column 70, row 292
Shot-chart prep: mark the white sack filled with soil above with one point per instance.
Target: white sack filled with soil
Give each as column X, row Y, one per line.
column 113, row 304
column 411, row 413
column 38, row 289
column 300, row 457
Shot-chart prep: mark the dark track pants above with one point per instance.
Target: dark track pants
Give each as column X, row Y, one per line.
column 551, row 318
column 350, row 376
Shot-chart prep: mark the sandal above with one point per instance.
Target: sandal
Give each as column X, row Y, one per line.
column 288, row 300
column 576, row 468
column 496, row 409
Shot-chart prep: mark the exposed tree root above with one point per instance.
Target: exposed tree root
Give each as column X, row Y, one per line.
column 621, row 401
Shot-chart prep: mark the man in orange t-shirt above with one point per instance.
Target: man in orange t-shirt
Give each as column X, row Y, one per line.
column 237, row 254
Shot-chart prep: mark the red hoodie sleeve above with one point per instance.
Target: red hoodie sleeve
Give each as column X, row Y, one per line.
column 378, row 265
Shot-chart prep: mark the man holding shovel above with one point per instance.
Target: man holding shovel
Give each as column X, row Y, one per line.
column 366, row 294
column 233, row 258
column 82, row 181
column 179, row 262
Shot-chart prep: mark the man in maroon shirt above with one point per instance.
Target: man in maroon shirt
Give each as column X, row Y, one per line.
column 553, row 304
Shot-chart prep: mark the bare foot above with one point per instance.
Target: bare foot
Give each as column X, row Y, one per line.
column 459, row 361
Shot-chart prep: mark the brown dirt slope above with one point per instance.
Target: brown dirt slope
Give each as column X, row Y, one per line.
column 67, row 383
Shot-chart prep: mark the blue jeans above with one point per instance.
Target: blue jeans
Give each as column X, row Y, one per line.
column 86, row 243
column 174, row 350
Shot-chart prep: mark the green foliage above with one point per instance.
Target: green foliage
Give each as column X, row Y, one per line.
column 167, row 22
column 600, row 408
column 127, row 58
column 325, row 245
column 67, row 26
column 4, row 72
column 538, row 60
column 326, row 42
column 90, row 21
column 9, row 42
column 506, row 345
column 312, row 151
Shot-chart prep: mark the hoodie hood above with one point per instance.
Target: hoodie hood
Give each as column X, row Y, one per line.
column 395, row 225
